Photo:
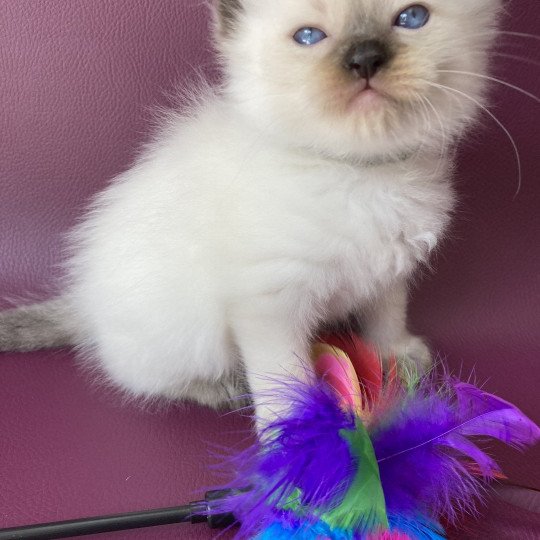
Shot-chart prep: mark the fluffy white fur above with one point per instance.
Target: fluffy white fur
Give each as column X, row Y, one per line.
column 278, row 204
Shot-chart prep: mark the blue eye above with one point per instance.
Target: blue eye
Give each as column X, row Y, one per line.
column 309, row 36
column 413, row 17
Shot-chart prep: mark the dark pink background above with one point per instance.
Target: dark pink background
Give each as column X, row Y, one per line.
column 78, row 80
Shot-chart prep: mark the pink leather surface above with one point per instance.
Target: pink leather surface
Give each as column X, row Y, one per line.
column 78, row 82
column 78, row 79
column 70, row 449
column 498, row 521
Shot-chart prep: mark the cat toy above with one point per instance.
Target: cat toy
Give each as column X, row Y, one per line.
column 361, row 454
column 367, row 455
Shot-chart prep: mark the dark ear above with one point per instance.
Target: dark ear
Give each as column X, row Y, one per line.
column 227, row 15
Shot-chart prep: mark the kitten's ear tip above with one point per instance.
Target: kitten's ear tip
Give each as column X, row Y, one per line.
column 226, row 13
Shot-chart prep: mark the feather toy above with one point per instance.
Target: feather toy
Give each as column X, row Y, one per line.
column 361, row 456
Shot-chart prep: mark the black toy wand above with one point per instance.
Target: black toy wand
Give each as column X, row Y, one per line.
column 200, row 512
column 195, row 512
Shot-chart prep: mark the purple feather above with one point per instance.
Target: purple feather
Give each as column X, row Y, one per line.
column 494, row 417
column 302, row 451
column 424, row 450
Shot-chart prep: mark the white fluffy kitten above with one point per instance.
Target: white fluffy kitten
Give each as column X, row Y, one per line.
column 307, row 188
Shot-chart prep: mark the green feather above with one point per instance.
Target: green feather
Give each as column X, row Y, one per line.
column 293, row 502
column 363, row 504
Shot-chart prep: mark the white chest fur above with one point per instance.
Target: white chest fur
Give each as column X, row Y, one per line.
column 332, row 233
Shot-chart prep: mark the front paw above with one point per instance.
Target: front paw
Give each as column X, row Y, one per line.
column 412, row 353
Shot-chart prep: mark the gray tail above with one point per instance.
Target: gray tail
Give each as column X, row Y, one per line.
column 37, row 326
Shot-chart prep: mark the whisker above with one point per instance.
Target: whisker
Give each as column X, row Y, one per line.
column 426, row 119
column 518, row 58
column 443, row 134
column 423, row 100
column 495, row 119
column 520, row 34
column 425, row 115
column 493, row 79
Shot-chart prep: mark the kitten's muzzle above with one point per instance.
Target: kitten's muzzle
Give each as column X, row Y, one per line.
column 365, row 58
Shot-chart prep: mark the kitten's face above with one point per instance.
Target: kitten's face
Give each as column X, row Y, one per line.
column 317, row 95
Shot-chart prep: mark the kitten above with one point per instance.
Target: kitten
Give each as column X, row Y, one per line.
column 307, row 188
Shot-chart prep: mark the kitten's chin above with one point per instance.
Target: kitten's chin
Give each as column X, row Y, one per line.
column 367, row 100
